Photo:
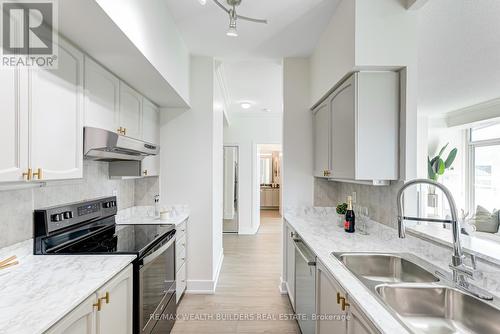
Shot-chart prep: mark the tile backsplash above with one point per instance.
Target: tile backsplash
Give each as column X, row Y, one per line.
column 16, row 206
column 380, row 200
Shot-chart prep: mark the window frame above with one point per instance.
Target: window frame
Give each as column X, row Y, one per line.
column 471, row 163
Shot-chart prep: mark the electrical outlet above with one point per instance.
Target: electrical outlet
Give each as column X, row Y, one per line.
column 353, row 197
column 115, row 192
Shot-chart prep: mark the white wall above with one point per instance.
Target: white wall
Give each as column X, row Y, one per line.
column 246, row 131
column 334, row 55
column 188, row 177
column 297, row 171
column 149, row 25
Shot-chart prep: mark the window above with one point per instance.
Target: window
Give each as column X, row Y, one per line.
column 484, row 182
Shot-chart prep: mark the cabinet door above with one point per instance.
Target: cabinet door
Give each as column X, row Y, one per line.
column 56, row 100
column 130, row 111
column 343, row 145
column 116, row 313
column 290, row 263
column 13, row 126
column 102, row 90
column 357, row 324
column 150, row 122
column 81, row 320
column 326, row 302
column 321, row 123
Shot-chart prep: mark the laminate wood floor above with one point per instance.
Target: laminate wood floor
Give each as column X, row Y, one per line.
column 248, row 287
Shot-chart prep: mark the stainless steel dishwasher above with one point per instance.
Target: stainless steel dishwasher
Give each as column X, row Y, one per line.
column 305, row 286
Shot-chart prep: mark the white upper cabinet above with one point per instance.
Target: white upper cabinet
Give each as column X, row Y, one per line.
column 102, row 91
column 151, row 122
column 321, row 123
column 13, row 127
column 130, row 111
column 56, row 103
column 151, row 134
column 342, row 106
column 360, row 122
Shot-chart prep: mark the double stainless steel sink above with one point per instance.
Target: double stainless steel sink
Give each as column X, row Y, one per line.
column 422, row 300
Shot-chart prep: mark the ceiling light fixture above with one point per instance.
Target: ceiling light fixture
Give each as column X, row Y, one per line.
column 246, row 105
column 202, row 2
column 232, row 31
column 233, row 16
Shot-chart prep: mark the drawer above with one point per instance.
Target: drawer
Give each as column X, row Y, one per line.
column 180, row 282
column 180, row 245
column 180, row 258
column 180, row 229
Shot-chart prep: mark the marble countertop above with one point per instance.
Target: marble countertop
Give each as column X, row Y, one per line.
column 42, row 289
column 319, row 230
column 145, row 215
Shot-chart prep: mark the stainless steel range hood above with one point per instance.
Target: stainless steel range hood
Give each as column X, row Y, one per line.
column 104, row 145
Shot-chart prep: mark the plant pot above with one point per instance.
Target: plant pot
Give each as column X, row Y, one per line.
column 432, row 200
column 340, row 220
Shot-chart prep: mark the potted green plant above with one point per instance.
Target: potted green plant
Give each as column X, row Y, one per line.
column 341, row 211
column 435, row 168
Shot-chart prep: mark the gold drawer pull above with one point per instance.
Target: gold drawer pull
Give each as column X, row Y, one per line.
column 98, row 304
column 145, row 172
column 38, row 174
column 345, row 304
column 338, row 297
column 28, row 174
column 106, row 298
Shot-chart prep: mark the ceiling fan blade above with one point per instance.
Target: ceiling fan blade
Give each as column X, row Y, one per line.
column 221, row 6
column 251, row 19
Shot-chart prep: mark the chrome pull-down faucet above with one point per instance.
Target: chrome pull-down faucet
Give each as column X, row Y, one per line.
column 460, row 270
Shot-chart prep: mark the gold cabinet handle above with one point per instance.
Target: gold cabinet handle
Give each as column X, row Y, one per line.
column 120, row 130
column 38, row 174
column 105, row 298
column 124, row 131
column 145, row 172
column 345, row 304
column 28, row 174
column 338, row 297
column 98, row 304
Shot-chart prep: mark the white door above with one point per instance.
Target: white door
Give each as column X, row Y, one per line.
column 102, row 91
column 321, row 121
column 81, row 320
column 150, row 134
column 116, row 312
column 130, row 111
column 343, row 145
column 56, row 100
column 328, row 296
column 13, row 126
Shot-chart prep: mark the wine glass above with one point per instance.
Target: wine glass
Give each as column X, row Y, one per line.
column 363, row 219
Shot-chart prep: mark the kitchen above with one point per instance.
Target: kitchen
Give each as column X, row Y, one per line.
column 386, row 116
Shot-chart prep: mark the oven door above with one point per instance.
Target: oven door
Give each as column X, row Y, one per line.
column 156, row 284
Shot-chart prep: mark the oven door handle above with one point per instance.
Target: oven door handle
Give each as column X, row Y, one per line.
column 157, row 252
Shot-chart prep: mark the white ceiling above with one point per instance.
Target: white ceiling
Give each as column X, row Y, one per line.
column 259, row 82
column 459, row 54
column 293, row 29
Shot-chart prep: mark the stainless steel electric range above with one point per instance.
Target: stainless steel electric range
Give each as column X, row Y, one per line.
column 89, row 228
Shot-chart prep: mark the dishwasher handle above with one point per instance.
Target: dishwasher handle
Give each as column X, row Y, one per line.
column 304, row 252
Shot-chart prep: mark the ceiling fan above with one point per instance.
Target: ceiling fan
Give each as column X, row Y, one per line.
column 233, row 16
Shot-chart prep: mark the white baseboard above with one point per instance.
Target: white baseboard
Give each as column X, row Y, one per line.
column 283, row 287
column 205, row 287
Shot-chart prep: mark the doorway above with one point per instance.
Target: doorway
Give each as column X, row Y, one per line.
column 231, row 188
column 269, row 167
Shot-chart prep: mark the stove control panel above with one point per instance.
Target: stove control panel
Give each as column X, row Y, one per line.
column 51, row 219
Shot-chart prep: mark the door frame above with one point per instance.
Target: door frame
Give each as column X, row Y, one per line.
column 237, row 146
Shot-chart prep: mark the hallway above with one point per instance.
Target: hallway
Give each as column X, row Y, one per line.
column 248, row 287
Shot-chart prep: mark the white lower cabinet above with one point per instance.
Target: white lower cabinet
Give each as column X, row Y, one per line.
column 107, row 311
column 116, row 298
column 79, row 321
column 180, row 259
column 289, row 262
column 332, row 300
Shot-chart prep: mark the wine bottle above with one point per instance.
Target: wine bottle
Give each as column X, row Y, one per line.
column 350, row 219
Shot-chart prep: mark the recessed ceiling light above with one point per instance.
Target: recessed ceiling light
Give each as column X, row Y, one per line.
column 202, row 2
column 246, row 105
column 266, row 109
